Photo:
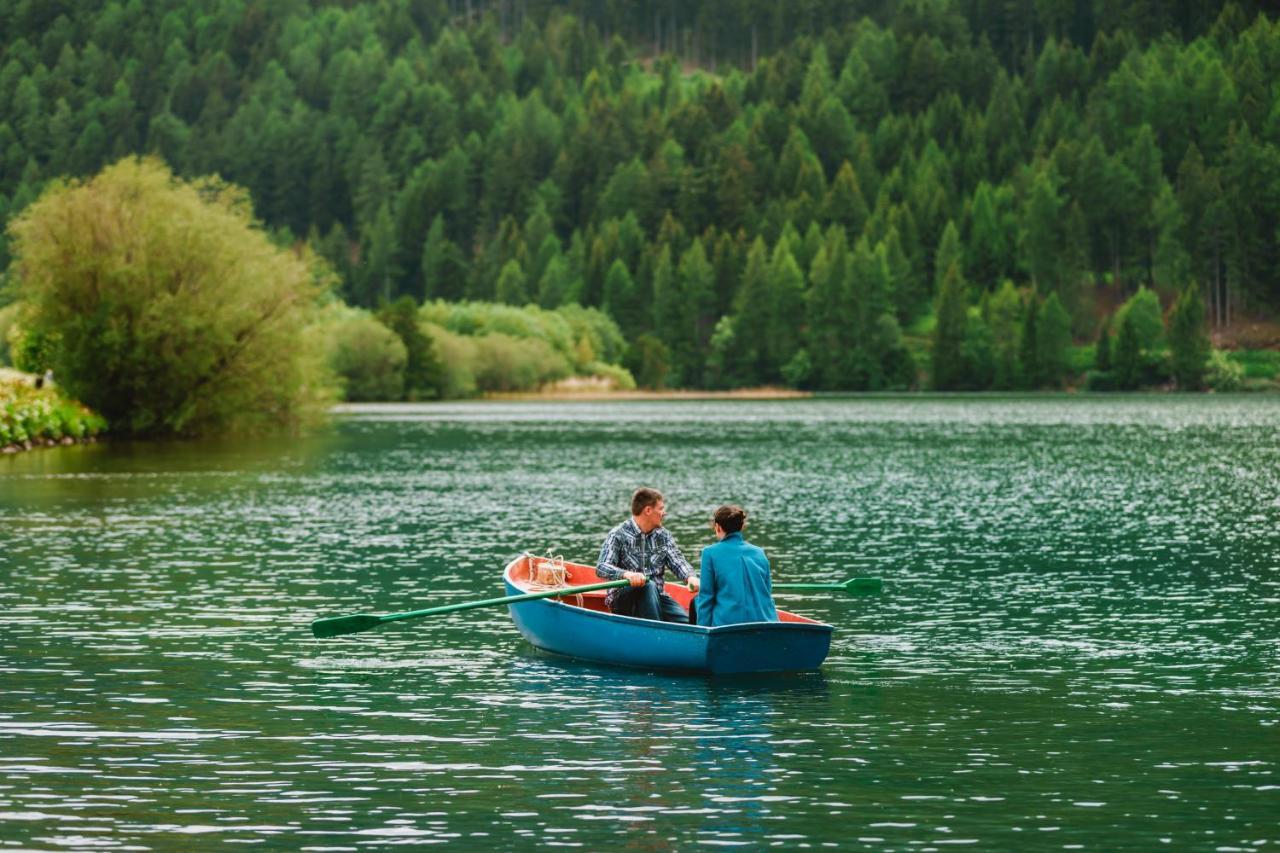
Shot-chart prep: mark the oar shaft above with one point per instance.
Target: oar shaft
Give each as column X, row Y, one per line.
column 506, row 599
column 808, row 586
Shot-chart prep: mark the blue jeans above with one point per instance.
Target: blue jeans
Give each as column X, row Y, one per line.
column 645, row 602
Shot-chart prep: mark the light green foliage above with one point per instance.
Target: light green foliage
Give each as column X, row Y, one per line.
column 512, row 284
column 1003, row 311
column 30, row 414
column 172, row 312
column 485, row 346
column 8, row 329
column 368, row 357
column 1223, row 374
column 1143, row 309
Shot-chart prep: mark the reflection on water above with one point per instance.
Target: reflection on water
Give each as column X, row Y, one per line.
column 1078, row 643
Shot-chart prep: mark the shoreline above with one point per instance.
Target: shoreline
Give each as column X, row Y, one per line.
column 593, row 395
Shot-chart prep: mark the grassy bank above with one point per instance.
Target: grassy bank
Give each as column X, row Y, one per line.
column 31, row 416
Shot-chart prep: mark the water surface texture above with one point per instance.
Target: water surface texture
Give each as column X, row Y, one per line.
column 1078, row 643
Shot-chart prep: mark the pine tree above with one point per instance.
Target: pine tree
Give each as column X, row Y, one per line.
column 444, row 270
column 1029, row 345
column 622, row 299
column 844, row 203
column 1053, row 336
column 1189, row 340
column 512, row 287
column 1102, row 356
column 949, row 333
column 423, row 370
column 829, row 333
column 1128, row 356
column 1003, row 313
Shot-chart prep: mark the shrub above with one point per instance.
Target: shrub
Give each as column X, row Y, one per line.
column 504, row 363
column 368, row 357
column 1223, row 374
column 28, row 413
column 1100, row 380
column 166, row 307
column 1143, row 310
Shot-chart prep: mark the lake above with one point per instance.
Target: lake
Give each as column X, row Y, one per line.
column 1078, row 642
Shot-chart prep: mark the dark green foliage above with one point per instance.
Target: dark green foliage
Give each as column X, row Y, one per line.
column 949, row 369
column 1053, row 336
column 648, row 359
column 1103, row 354
column 423, row 372
column 1189, row 340
column 1128, row 357
column 520, row 154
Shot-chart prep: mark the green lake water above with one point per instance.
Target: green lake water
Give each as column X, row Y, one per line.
column 1078, row 643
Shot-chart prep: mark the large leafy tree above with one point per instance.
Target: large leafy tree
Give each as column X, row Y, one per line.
column 171, row 312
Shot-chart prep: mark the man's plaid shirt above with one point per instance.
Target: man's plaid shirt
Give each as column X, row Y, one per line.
column 621, row 553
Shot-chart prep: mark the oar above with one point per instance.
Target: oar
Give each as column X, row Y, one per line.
column 334, row 626
column 853, row 586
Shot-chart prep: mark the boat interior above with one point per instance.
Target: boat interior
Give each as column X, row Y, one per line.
column 534, row 574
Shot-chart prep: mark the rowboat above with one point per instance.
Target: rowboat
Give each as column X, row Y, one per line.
column 581, row 626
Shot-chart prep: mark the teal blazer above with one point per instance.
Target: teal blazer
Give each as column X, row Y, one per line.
column 735, row 584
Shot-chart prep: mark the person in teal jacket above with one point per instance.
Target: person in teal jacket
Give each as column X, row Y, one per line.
column 735, row 576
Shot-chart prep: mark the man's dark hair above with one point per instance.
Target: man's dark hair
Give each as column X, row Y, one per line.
column 730, row 518
column 643, row 498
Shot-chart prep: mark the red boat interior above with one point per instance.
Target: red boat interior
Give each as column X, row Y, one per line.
column 538, row 573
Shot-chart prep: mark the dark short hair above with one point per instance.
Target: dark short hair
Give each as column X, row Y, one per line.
column 643, row 498
column 730, row 517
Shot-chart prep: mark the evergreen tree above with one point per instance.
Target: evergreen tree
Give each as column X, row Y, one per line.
column 1003, row 312
column 444, row 270
column 1102, row 355
column 1053, row 336
column 949, row 334
column 1029, row 345
column 622, row 299
column 423, row 370
column 1189, row 340
column 1039, row 240
column 512, row 287
column 1128, row 356
column 829, row 333
column 844, row 203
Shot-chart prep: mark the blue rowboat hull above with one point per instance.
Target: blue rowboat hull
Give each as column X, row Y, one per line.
column 579, row 632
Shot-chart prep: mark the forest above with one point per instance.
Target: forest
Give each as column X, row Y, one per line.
column 860, row 195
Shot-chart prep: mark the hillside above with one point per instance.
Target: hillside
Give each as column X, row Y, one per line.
column 755, row 195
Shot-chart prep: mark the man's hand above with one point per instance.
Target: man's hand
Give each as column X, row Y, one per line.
column 693, row 583
column 636, row 578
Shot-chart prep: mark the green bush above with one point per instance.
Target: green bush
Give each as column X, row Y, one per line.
column 1223, row 374
column 617, row 374
column 368, row 357
column 1257, row 364
column 162, row 304
column 505, row 363
column 8, row 329
column 1100, row 380
column 31, row 414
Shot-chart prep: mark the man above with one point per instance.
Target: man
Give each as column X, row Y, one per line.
column 641, row 550
column 735, row 576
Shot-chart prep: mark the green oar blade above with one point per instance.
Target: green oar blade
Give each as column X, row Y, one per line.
column 853, row 586
column 863, row 586
column 335, row 626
